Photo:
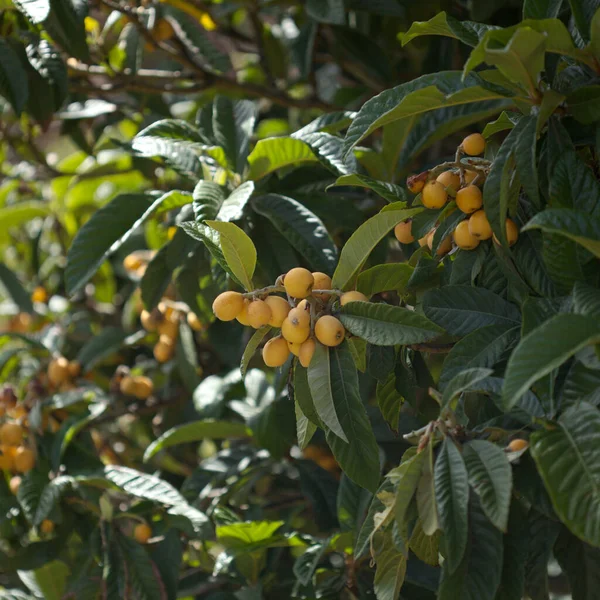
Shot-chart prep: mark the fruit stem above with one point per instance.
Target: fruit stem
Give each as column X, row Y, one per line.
column 270, row 289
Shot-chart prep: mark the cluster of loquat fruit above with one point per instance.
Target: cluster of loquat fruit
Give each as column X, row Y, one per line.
column 462, row 184
column 304, row 318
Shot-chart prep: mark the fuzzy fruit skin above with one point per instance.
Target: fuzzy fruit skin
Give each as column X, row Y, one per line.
column 58, row 371
column 228, row 305
column 47, row 526
column 473, row 144
column 24, row 460
column 353, row 296
column 259, row 313
column 403, row 232
column 479, row 226
column 463, row 239
column 275, row 352
column 142, row 533
column 148, row 320
column 469, row 199
column 449, row 179
column 14, row 484
column 243, row 316
column 322, row 282
column 443, row 248
column 512, row 233
column 298, row 282
column 194, row 322
column 329, row 331
column 294, row 333
column 434, row 195
column 299, row 317
column 279, row 310
column 517, row 445
column 294, row 348
column 163, row 351
column 11, row 434
column 470, row 176
column 307, row 350
column 142, row 387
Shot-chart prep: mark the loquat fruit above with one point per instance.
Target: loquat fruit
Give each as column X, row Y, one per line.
column 132, row 262
column 163, row 350
column 7, row 462
column 469, row 199
column 11, row 434
column 259, row 313
column 434, row 195
column 194, row 322
column 294, row 333
column 517, row 445
column 353, row 296
column 279, row 310
column 168, row 327
column 299, row 316
column 294, row 348
column 449, row 179
column 243, row 316
column 512, row 233
column 307, row 350
column 298, row 282
column 443, row 248
column 275, row 352
column 479, row 226
column 322, row 282
column 142, row 387
column 473, row 144
column 39, row 294
column 14, row 484
column 403, row 232
column 228, row 305
column 149, row 320
column 329, row 331
column 47, row 526
column 142, row 533
column 74, row 369
column 24, row 459
column 163, row 30
column 470, row 176
column 58, row 371
column 415, row 183
column 127, row 385
column 462, row 237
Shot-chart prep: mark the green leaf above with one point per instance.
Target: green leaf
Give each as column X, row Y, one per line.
column 48, row 582
column 275, row 153
column 406, row 477
column 545, row 349
column 427, row 93
column 483, row 347
column 302, row 229
column 320, row 385
column 195, row 432
column 452, row 496
column 143, row 577
column 586, row 300
column 525, row 158
column 490, row 475
column 384, row 278
column 360, row 458
column 389, row 401
column 193, row 36
column 257, row 337
column 232, row 209
column 506, row 121
column 390, row 191
column 464, row 380
column 461, row 309
column 108, row 341
column 49, row 65
column 426, row 502
column 362, row 242
column 171, row 200
column 573, row 224
column 386, row 325
column 477, row 577
column 467, row 32
column 208, row 197
column 14, row 289
column 541, row 9
column 50, row 497
column 390, row 572
column 328, row 150
column 35, row 10
column 305, row 429
column 232, row 126
column 302, row 394
column 65, row 24
column 566, row 457
column 106, row 231
column 16, row 215
column 238, row 250
column 425, row 547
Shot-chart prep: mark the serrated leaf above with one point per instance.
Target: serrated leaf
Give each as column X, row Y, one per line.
column 490, row 475
column 106, row 231
column 452, row 497
column 302, row 229
column 275, row 153
column 320, row 385
column 238, row 251
column 461, row 309
column 328, row 150
column 196, row 431
column 360, row 458
column 387, row 325
column 257, row 337
column 565, row 454
column 545, row 349
column 362, row 242
column 573, row 224
column 208, row 197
